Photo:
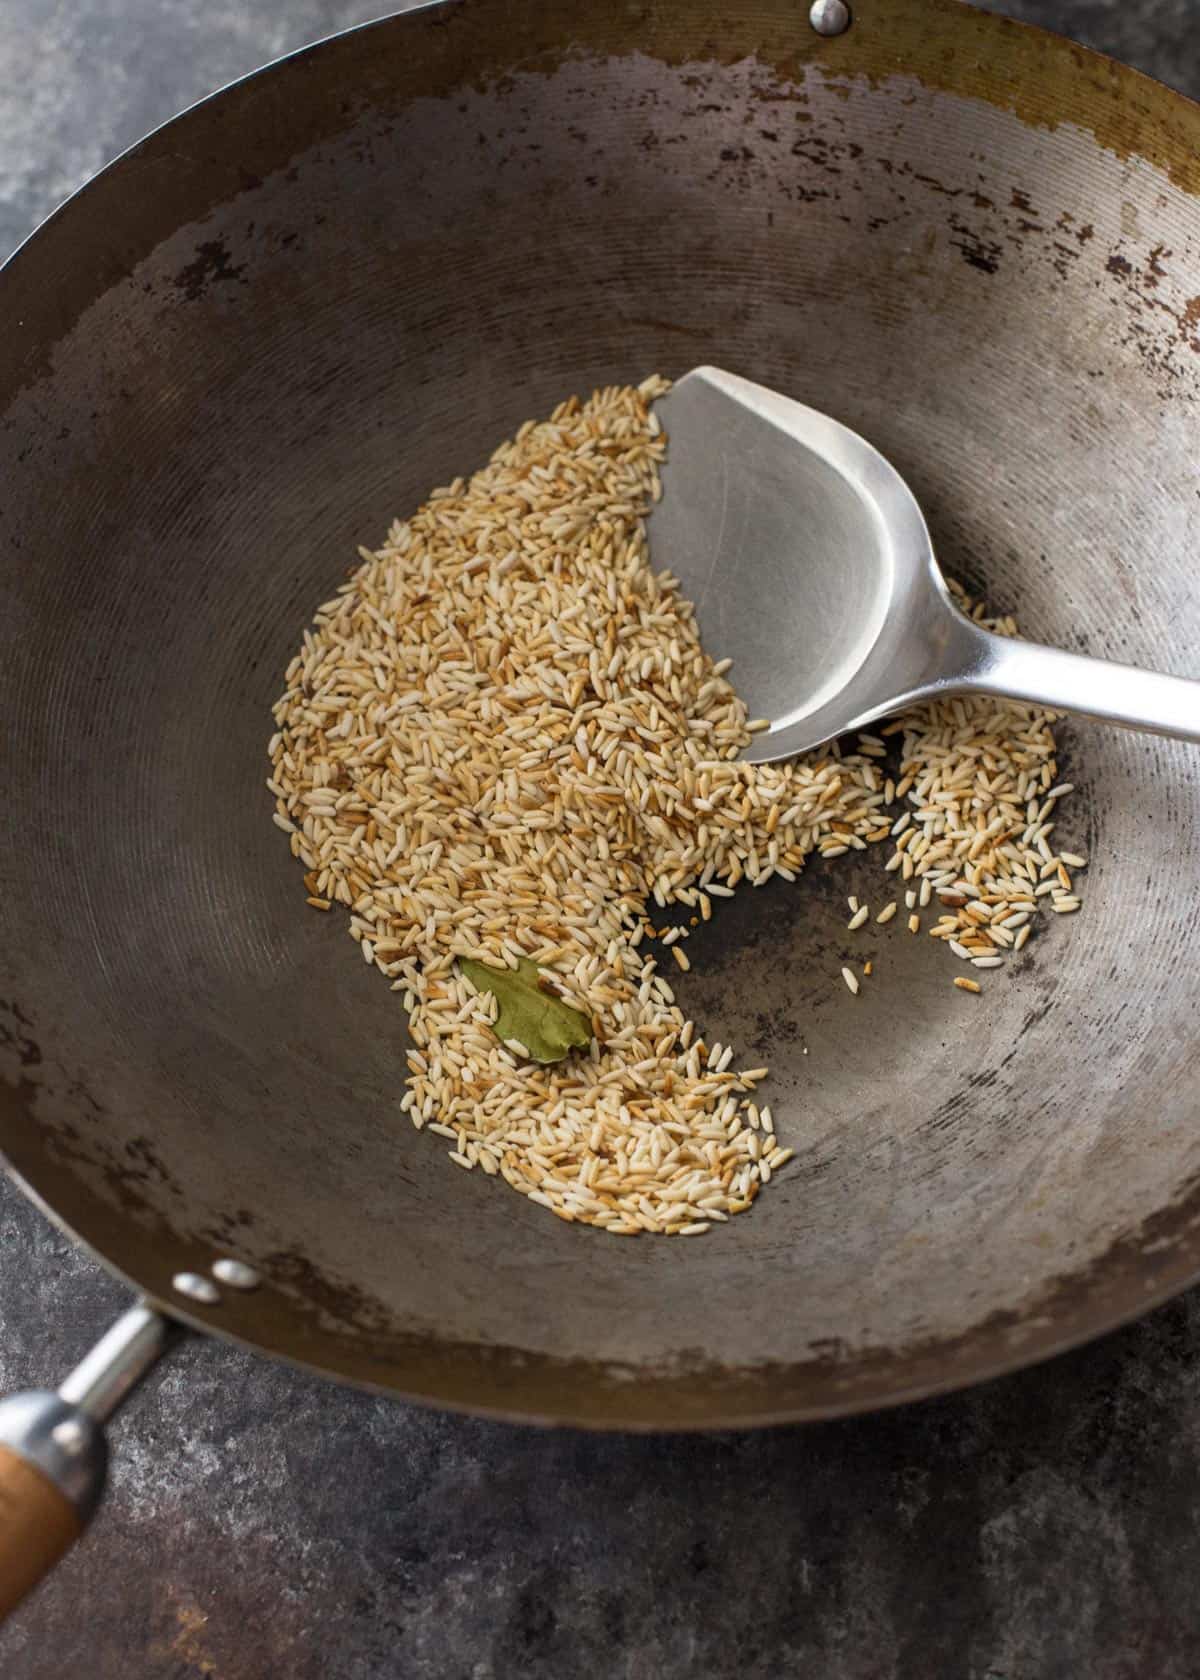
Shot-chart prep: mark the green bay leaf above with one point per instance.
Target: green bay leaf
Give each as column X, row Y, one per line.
column 547, row 1027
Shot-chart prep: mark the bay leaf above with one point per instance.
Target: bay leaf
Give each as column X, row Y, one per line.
column 547, row 1027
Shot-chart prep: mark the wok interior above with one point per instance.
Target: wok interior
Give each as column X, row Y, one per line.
column 195, row 1062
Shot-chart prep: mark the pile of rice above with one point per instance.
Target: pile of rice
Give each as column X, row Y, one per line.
column 502, row 738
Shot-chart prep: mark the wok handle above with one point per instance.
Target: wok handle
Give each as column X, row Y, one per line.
column 38, row 1523
column 1097, row 688
column 53, row 1452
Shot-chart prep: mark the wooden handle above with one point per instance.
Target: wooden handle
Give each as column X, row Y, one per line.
column 37, row 1525
column 53, row 1454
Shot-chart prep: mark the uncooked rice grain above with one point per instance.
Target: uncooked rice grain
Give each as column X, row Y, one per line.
column 501, row 738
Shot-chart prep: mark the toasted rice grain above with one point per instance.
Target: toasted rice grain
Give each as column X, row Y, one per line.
column 501, row 738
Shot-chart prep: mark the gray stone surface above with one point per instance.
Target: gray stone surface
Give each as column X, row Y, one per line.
column 263, row 1524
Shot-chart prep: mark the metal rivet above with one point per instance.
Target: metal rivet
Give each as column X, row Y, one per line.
column 68, row 1435
column 829, row 17
column 236, row 1274
column 196, row 1288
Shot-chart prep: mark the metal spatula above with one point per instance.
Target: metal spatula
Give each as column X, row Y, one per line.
column 810, row 565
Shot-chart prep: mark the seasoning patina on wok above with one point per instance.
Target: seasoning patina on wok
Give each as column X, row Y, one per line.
column 275, row 323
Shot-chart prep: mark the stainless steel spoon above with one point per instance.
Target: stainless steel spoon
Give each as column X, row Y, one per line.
column 810, row 565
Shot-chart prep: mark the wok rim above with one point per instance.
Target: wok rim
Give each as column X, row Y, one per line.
column 986, row 1371
column 1094, row 1315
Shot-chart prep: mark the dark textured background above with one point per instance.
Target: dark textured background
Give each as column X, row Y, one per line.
column 261, row 1524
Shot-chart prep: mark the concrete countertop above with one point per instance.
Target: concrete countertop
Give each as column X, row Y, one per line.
column 262, row 1524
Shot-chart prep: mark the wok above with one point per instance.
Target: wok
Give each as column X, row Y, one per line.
column 278, row 321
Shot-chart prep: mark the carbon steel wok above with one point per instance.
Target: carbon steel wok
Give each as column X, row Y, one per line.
column 272, row 326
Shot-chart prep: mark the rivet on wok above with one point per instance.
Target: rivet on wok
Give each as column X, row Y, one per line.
column 236, row 1274
column 196, row 1288
column 829, row 17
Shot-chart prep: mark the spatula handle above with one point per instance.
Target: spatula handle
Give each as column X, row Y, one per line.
column 1097, row 688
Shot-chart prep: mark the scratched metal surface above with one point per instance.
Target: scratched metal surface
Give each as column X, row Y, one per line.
column 492, row 1551
column 246, row 309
